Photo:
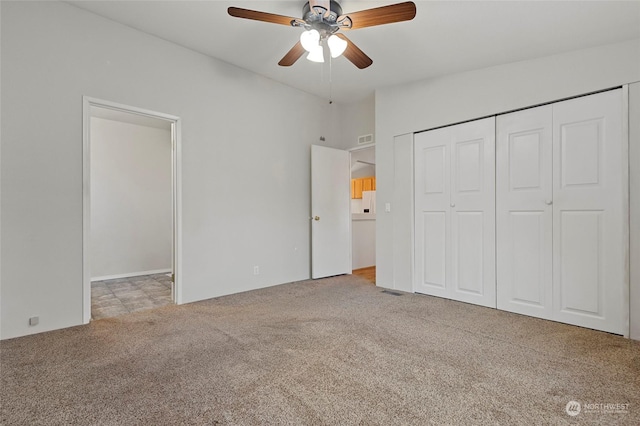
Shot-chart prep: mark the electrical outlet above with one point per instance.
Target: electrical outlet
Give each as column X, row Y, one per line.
column 34, row 321
column 256, row 270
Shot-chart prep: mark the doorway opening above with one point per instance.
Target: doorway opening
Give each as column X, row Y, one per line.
column 363, row 212
column 131, row 209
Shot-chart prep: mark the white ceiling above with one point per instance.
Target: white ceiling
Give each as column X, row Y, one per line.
column 445, row 37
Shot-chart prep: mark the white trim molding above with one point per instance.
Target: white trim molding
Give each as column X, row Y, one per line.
column 176, row 149
column 131, row 274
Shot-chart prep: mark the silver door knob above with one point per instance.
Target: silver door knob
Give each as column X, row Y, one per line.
column 452, row 204
column 316, row 218
column 548, row 202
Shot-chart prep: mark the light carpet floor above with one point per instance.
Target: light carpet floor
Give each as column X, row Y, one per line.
column 336, row 351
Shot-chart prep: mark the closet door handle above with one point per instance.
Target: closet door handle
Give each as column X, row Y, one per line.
column 452, row 204
column 548, row 202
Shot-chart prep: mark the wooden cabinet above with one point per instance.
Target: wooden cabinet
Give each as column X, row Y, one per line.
column 362, row 184
column 356, row 188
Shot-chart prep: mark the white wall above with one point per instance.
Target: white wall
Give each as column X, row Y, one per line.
column 441, row 101
column 0, row 174
column 634, row 189
column 239, row 152
column 368, row 155
column 401, row 214
column 363, row 170
column 358, row 119
column 131, row 230
column 363, row 238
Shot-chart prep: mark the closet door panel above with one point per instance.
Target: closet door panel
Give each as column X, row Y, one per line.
column 472, row 205
column 468, row 167
column 434, row 252
column 524, row 212
column 455, row 212
column 432, row 188
column 527, row 285
column 581, row 254
column 468, row 247
column 467, row 214
column 590, row 287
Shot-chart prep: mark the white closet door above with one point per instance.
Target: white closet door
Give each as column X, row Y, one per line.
column 524, row 212
column 589, row 215
column 473, row 217
column 432, row 216
column 455, row 212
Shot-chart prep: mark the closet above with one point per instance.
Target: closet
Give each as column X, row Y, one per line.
column 455, row 212
column 533, row 224
column 561, row 215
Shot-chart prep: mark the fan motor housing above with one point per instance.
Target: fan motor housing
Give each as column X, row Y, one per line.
column 329, row 18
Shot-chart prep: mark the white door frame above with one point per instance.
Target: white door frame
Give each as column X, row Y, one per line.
column 361, row 147
column 176, row 181
column 351, row 151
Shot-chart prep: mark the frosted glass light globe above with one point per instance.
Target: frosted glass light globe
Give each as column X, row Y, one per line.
column 316, row 54
column 310, row 39
column 337, row 45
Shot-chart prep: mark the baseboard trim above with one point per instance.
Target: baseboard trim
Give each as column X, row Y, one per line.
column 130, row 274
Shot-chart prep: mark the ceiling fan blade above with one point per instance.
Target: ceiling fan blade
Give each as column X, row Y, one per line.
column 381, row 15
column 260, row 16
column 292, row 56
column 354, row 54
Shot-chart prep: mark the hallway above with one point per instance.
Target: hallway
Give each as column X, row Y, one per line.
column 111, row 298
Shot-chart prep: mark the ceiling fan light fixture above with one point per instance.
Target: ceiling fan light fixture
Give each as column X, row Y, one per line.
column 310, row 40
column 321, row 19
column 316, row 54
column 337, row 46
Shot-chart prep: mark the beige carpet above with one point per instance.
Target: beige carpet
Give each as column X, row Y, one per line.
column 336, row 351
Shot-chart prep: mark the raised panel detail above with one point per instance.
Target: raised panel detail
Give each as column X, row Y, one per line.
column 525, row 160
column 581, row 257
column 469, row 161
column 527, row 257
column 469, row 251
column 434, row 225
column 581, row 151
column 434, row 170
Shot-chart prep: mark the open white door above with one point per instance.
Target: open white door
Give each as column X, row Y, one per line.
column 330, row 212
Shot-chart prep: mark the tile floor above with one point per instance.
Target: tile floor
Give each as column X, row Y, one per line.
column 111, row 298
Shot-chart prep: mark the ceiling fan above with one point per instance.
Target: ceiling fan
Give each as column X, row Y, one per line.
column 322, row 21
